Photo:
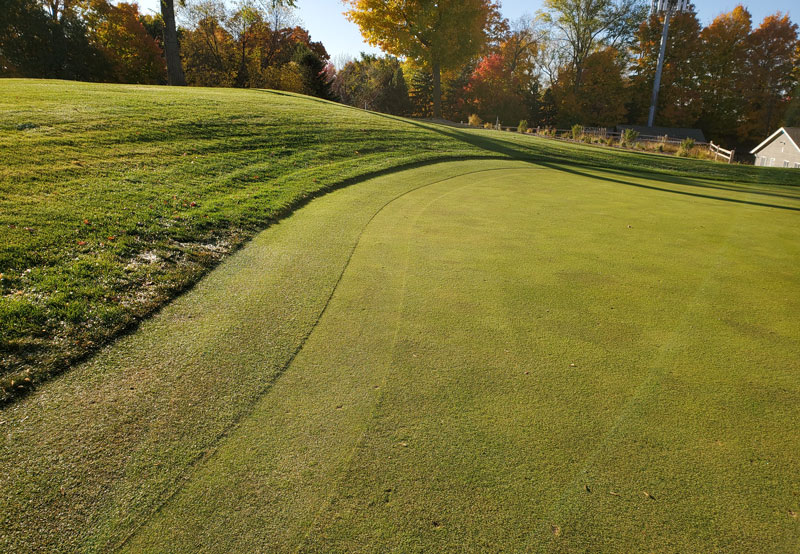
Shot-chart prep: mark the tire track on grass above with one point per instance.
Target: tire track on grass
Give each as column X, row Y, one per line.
column 228, row 430
column 401, row 305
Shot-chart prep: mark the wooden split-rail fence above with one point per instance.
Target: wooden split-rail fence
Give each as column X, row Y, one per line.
column 720, row 152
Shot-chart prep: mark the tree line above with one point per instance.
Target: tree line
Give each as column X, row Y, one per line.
column 244, row 45
column 576, row 61
column 590, row 62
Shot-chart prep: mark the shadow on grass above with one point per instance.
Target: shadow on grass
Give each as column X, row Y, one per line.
column 507, row 150
column 673, row 191
column 791, row 192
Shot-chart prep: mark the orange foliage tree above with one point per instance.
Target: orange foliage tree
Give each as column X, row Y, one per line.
column 602, row 96
column 134, row 55
column 724, row 73
column 679, row 100
column 438, row 34
column 771, row 75
column 493, row 92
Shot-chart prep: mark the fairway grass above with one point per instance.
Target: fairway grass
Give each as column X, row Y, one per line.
column 116, row 198
column 474, row 356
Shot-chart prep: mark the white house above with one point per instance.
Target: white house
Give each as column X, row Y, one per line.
column 780, row 149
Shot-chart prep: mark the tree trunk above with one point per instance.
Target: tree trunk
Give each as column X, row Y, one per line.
column 578, row 78
column 437, row 89
column 175, row 75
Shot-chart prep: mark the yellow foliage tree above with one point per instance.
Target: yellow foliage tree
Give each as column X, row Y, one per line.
column 440, row 34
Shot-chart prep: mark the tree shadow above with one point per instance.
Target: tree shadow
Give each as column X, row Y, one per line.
column 567, row 164
column 673, row 191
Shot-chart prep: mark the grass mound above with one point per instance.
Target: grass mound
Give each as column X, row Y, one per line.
column 115, row 198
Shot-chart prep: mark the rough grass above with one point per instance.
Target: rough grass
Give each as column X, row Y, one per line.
column 464, row 357
column 114, row 198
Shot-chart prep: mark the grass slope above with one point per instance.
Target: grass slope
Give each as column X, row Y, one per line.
column 472, row 356
column 114, row 198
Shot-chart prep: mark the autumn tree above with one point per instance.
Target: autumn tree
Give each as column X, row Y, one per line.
column 583, row 26
column 134, row 56
column 679, row 99
column 769, row 67
column 238, row 46
column 722, row 82
column 505, row 83
column 493, row 93
column 245, row 25
column 377, row 83
column 209, row 51
column 521, row 48
column 601, row 99
column 438, row 34
column 792, row 117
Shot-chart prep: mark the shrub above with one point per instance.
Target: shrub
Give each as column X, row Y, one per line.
column 523, row 126
column 488, row 125
column 610, row 141
column 530, row 131
column 577, row 131
column 475, row 120
column 686, row 147
column 629, row 138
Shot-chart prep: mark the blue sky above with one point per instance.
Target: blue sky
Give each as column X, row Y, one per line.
column 324, row 19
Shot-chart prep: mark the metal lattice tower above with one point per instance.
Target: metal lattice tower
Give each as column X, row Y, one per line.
column 667, row 7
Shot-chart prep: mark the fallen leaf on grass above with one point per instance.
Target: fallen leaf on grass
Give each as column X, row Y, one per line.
column 586, row 488
column 612, row 493
column 793, row 514
column 648, row 495
column 556, row 530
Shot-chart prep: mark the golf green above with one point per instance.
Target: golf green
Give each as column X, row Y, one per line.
column 481, row 356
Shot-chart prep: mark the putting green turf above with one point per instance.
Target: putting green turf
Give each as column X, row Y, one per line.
column 471, row 356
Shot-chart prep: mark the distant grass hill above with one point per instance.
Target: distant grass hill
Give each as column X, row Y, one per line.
column 114, row 198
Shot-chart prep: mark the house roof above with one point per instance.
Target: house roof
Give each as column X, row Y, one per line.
column 792, row 132
column 672, row 132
